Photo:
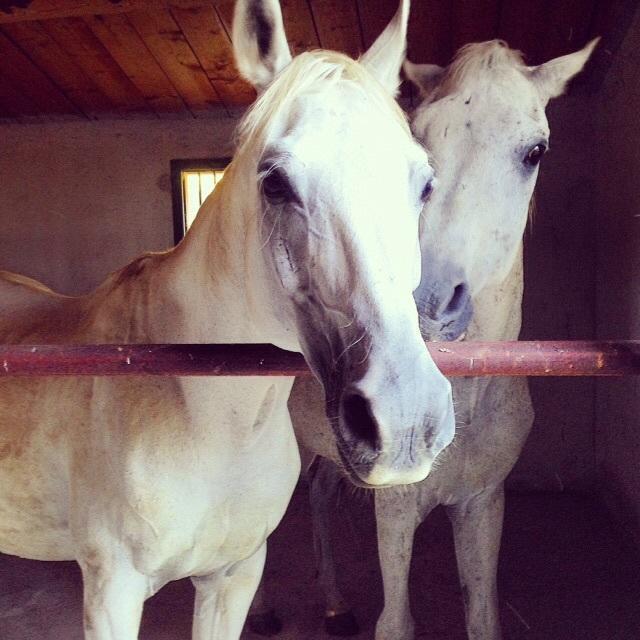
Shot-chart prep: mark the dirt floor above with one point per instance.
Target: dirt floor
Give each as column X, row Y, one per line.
column 565, row 574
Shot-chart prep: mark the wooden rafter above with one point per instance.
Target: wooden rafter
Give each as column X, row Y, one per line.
column 27, row 10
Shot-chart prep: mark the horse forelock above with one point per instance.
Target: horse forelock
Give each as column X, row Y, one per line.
column 311, row 72
column 476, row 58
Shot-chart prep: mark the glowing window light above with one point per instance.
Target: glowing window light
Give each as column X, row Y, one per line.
column 196, row 186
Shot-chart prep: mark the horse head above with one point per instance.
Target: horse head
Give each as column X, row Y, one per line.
column 339, row 186
column 483, row 120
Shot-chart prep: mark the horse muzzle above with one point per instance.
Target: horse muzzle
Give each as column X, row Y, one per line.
column 383, row 440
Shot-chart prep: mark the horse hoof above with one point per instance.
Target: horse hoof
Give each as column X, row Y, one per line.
column 342, row 624
column 265, row 624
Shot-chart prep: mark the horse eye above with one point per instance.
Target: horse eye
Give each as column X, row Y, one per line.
column 276, row 188
column 535, row 155
column 428, row 189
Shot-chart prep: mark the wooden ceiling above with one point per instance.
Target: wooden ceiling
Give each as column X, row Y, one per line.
column 91, row 59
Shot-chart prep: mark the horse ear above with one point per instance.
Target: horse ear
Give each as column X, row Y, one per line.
column 384, row 57
column 552, row 77
column 424, row 76
column 259, row 41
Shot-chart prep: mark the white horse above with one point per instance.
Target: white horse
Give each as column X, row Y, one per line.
column 483, row 121
column 311, row 243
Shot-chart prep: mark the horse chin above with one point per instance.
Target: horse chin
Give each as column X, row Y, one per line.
column 350, row 473
column 454, row 331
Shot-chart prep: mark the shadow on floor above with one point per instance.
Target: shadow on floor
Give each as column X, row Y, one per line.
column 565, row 574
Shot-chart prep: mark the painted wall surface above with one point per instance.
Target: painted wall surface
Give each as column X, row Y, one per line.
column 617, row 231
column 78, row 200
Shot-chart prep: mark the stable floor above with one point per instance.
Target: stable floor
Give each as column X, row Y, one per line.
column 565, row 574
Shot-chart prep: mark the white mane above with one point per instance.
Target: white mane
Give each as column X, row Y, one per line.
column 493, row 56
column 311, row 72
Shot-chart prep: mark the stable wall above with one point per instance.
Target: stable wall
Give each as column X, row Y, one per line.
column 78, row 200
column 617, row 165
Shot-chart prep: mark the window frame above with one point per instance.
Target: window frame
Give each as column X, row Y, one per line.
column 177, row 195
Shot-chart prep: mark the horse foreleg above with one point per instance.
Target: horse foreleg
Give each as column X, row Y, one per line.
column 477, row 528
column 324, row 479
column 223, row 599
column 396, row 521
column 114, row 594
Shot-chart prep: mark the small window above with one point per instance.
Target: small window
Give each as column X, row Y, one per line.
column 191, row 182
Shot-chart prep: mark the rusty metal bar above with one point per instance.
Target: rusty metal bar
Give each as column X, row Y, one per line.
column 569, row 358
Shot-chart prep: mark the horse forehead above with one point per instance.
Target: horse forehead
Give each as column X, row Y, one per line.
column 343, row 119
column 496, row 113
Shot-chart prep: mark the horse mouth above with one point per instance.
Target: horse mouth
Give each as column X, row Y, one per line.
column 348, row 470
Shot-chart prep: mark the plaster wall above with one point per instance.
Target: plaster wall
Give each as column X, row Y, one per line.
column 78, row 200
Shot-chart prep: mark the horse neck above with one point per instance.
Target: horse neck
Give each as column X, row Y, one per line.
column 498, row 308
column 214, row 280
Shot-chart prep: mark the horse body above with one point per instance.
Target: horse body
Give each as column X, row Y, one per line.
column 79, row 455
column 145, row 480
column 483, row 120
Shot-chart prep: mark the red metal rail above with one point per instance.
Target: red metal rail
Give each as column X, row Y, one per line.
column 570, row 358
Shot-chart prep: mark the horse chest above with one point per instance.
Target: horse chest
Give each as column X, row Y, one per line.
column 494, row 419
column 204, row 487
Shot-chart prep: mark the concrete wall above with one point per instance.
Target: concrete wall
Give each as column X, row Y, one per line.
column 617, row 231
column 78, row 200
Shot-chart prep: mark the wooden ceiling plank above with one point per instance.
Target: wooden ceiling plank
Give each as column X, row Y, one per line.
column 430, row 32
column 375, row 15
column 90, row 55
column 338, row 25
column 126, row 47
column 170, row 48
column 32, row 81
column 224, row 9
column 474, row 21
column 54, row 61
column 299, row 25
column 12, row 11
column 210, row 43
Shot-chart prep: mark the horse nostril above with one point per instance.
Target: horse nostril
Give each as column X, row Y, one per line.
column 359, row 421
column 457, row 301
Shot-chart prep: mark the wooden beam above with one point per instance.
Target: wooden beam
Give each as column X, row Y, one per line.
column 454, row 359
column 29, row 10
